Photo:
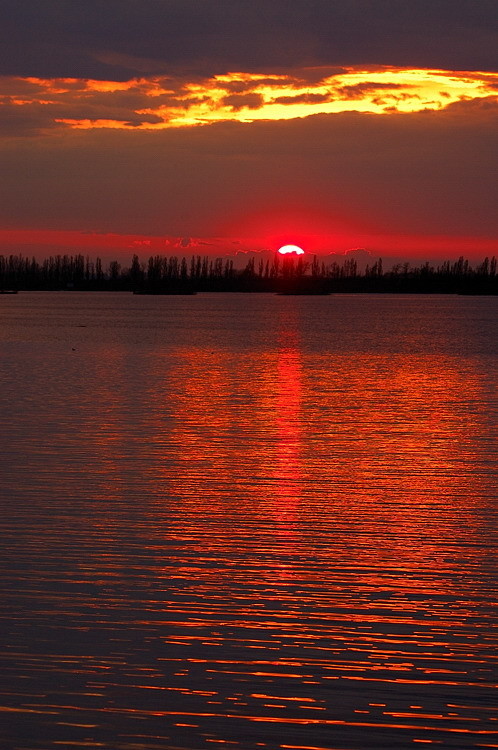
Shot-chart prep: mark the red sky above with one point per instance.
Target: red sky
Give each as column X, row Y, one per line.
column 236, row 128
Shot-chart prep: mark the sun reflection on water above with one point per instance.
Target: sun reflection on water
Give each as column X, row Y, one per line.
column 287, row 469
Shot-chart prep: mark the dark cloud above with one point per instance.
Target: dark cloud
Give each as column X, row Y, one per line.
column 474, row 107
column 315, row 75
column 358, row 90
column 119, row 39
column 303, row 99
column 426, row 173
column 239, row 101
column 240, row 87
column 24, row 121
column 33, row 118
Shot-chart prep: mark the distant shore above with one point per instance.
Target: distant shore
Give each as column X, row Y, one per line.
column 163, row 275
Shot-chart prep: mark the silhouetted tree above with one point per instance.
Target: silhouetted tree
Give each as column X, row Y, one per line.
column 164, row 274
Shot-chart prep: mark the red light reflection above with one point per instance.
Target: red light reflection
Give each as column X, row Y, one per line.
column 288, row 466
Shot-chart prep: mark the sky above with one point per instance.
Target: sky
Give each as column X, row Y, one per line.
column 227, row 126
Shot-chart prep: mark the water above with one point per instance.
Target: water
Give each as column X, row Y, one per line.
column 248, row 520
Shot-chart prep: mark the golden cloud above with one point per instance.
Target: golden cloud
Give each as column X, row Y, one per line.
column 161, row 102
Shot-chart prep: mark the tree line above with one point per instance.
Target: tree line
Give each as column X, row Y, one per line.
column 284, row 275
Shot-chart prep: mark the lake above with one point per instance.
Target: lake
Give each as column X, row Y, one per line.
column 248, row 520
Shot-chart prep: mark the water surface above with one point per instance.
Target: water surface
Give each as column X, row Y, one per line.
column 248, row 520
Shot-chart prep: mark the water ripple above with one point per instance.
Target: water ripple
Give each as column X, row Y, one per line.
column 251, row 521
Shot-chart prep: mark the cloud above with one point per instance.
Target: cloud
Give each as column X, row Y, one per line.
column 122, row 39
column 416, row 174
column 303, row 99
column 177, row 102
column 246, row 85
column 237, row 102
column 35, row 117
column 358, row 90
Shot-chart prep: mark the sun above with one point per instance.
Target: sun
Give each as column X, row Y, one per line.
column 291, row 249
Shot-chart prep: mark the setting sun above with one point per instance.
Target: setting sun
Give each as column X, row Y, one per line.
column 288, row 249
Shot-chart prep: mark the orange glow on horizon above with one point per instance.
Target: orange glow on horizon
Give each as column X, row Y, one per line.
column 44, row 242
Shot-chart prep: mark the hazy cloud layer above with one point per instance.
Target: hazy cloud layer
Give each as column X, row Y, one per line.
column 423, row 173
column 120, row 39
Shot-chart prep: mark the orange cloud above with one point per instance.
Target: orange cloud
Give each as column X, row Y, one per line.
column 160, row 102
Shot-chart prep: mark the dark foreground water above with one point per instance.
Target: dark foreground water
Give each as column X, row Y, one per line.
column 253, row 521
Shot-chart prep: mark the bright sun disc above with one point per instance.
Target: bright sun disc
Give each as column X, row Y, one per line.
column 286, row 249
